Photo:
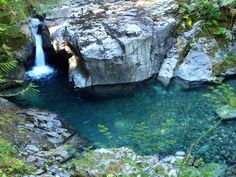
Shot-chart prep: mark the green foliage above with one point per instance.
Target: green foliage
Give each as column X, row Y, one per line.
column 110, row 164
column 228, row 62
column 142, row 138
column 7, row 64
column 205, row 170
column 221, row 95
column 218, row 16
column 11, row 12
column 3, row 2
column 29, row 91
column 10, row 165
column 136, row 166
column 228, row 2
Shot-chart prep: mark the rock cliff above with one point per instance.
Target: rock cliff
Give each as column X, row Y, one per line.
column 113, row 42
column 117, row 42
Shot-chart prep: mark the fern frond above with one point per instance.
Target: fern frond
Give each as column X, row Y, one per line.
column 7, row 66
column 30, row 91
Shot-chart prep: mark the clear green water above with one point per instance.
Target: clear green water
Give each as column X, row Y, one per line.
column 178, row 115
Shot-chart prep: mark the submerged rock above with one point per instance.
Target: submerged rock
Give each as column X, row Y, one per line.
column 226, row 112
column 119, row 41
column 231, row 171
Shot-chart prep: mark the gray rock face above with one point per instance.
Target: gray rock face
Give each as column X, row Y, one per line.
column 27, row 49
column 119, row 41
column 198, row 58
column 196, row 67
column 168, row 66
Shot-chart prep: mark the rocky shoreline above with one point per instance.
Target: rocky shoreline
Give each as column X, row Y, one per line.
column 42, row 139
column 52, row 149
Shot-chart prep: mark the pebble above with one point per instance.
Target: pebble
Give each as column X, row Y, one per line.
column 180, row 153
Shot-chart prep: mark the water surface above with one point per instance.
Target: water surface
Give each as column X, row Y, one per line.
column 177, row 115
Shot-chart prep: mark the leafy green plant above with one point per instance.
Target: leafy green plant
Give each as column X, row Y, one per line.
column 228, row 62
column 11, row 11
column 10, row 165
column 206, row 170
column 142, row 138
column 222, row 94
column 218, row 16
column 7, row 64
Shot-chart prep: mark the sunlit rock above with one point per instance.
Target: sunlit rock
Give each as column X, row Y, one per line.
column 196, row 67
column 168, row 66
column 119, row 41
column 122, row 162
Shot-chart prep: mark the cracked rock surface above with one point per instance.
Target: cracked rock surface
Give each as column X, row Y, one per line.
column 117, row 41
column 42, row 139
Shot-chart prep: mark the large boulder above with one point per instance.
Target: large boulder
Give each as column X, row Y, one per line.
column 117, row 41
column 197, row 66
column 197, row 59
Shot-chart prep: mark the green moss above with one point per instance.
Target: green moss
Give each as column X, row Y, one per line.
column 228, row 62
column 10, row 15
column 10, row 132
column 10, row 163
column 207, row 170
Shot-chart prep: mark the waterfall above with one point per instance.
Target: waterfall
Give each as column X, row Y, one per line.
column 40, row 69
column 39, row 54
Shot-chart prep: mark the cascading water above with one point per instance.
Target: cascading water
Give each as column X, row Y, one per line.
column 40, row 69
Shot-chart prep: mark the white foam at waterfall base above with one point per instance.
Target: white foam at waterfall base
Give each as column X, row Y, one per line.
column 40, row 70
